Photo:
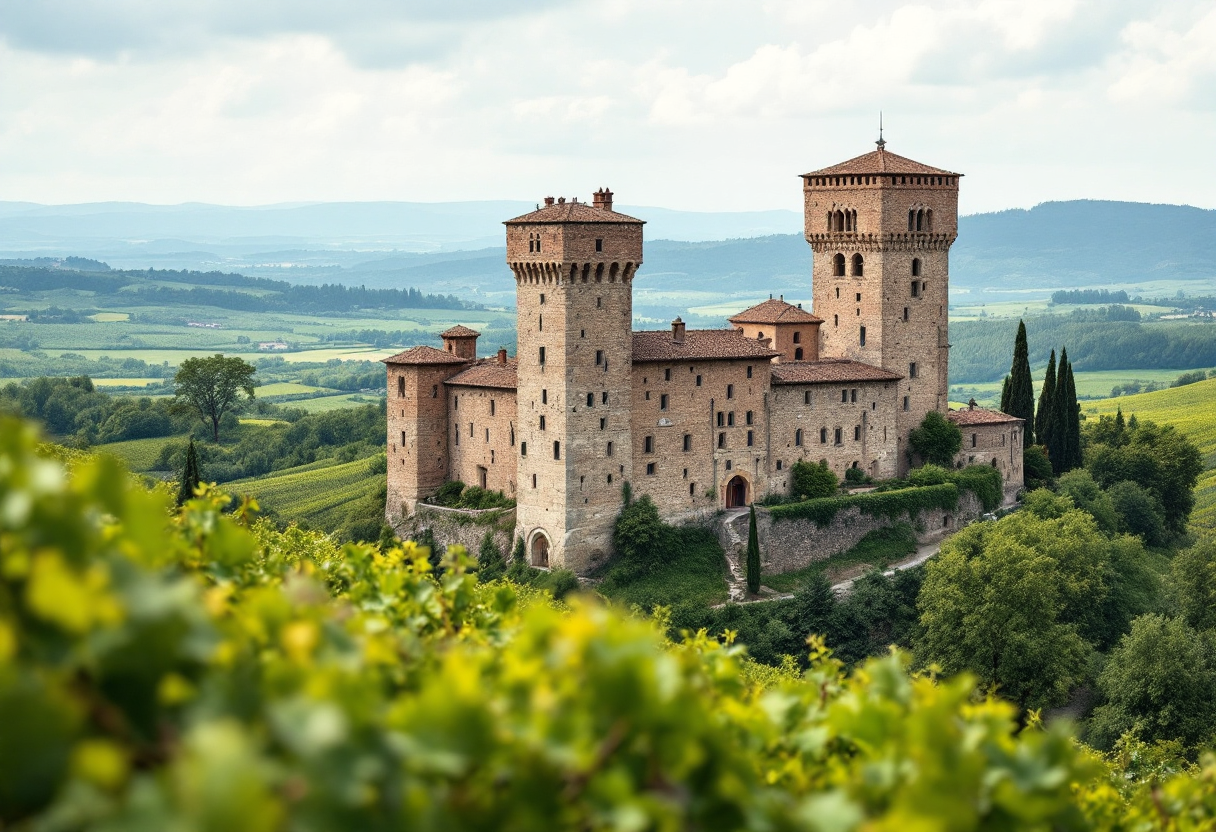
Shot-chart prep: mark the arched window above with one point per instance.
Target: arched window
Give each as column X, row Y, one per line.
column 857, row 265
column 920, row 220
column 798, row 354
column 839, row 223
column 912, row 220
column 838, row 265
column 916, row 267
column 797, row 337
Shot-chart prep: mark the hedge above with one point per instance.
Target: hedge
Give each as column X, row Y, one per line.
column 890, row 504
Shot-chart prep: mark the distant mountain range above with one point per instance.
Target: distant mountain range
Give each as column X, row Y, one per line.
column 693, row 260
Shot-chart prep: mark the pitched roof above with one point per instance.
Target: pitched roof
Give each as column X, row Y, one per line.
column 459, row 331
column 698, row 345
column 774, row 311
column 829, row 370
column 980, row 416
column 488, row 373
column 423, row 355
column 880, row 161
column 571, row 212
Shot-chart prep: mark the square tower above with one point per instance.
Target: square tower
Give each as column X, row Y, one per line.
column 574, row 265
column 881, row 227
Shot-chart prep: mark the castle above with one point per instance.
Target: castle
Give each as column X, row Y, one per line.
column 700, row 420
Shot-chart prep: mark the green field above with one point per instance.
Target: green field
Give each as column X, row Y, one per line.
column 324, row 403
column 284, row 388
column 319, row 493
column 1192, row 409
column 1090, row 385
column 139, row 454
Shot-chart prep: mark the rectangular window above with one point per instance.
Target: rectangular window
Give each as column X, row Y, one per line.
column 905, row 313
column 749, row 417
column 599, row 244
column 650, row 469
column 542, row 299
column 544, row 396
column 457, row 434
column 647, row 395
column 590, row 400
column 797, row 337
column 540, row 323
column 778, row 465
column 863, row 336
column 806, row 396
column 609, row 449
column 729, row 464
column 455, row 402
column 857, row 433
column 692, row 486
column 491, row 407
column 667, row 375
column 663, row 402
column 401, row 387
column 823, row 436
column 915, row 288
column 648, row 445
column 599, row 357
column 542, row 422
column 859, row 297
column 603, row 423
column 721, row 418
column 604, row 397
column 557, row 449
column 750, row 440
column 844, row 396
column 434, row 391
column 730, row 391
column 853, row 395
column 749, row 366
column 402, row 439
column 470, row 430
column 912, row 370
column 542, row 355
column 839, row 437
column 721, row 440
column 730, row 419
column 523, row 448
column 534, row 480
column 487, row 434
column 698, row 381
column 906, row 403
column 973, row 438
column 688, row 442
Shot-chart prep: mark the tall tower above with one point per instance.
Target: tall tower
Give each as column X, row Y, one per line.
column 574, row 265
column 881, row 227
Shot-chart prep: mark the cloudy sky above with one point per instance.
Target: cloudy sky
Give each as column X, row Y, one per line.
column 692, row 104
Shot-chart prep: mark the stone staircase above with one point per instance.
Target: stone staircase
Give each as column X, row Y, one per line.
column 734, row 544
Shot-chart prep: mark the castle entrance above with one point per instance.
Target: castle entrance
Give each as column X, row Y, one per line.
column 736, row 492
column 540, row 552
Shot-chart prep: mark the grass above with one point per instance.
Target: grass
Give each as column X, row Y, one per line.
column 285, row 388
column 879, row 548
column 692, row 570
column 139, row 454
column 1192, row 410
column 264, row 422
column 315, row 494
column 126, row 382
column 326, row 403
column 1095, row 384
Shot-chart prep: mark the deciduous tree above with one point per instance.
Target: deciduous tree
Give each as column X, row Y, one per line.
column 937, row 440
column 212, row 387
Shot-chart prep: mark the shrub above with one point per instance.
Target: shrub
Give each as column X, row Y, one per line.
column 856, row 476
column 490, row 563
column 813, row 480
column 937, row 440
column 1036, row 468
column 638, row 534
column 890, row 504
column 448, row 493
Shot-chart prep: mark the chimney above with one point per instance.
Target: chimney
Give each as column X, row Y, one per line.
column 677, row 331
column 602, row 199
column 548, row 201
column 561, row 200
column 502, row 355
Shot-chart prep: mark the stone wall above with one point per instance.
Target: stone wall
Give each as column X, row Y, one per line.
column 787, row 545
column 456, row 525
column 482, row 437
column 998, row 445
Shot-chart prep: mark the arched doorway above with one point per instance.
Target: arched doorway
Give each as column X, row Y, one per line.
column 736, row 492
column 540, row 551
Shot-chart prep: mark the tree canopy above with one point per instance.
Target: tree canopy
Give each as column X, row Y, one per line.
column 937, row 440
column 212, row 387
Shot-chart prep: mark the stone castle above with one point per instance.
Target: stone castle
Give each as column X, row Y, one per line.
column 700, row 420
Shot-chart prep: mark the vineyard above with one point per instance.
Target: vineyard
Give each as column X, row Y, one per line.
column 319, row 494
column 1191, row 409
column 198, row 670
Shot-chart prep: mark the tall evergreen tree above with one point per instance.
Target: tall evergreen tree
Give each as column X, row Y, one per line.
column 753, row 554
column 1065, row 445
column 1005, row 394
column 1021, row 385
column 1042, row 417
column 190, row 475
column 1073, row 422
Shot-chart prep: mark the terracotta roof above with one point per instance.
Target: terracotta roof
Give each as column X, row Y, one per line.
column 775, row 312
column 829, row 370
column 698, row 345
column 423, row 355
column 980, row 416
column 488, row 373
column 572, row 212
column 459, row 331
column 880, row 161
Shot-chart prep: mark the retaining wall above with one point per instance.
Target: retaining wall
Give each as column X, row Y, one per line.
column 461, row 525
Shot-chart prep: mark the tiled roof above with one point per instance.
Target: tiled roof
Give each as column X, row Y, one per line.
column 829, row 370
column 880, row 161
column 423, row 355
column 487, row 373
column 698, row 345
column 572, row 212
column 775, row 312
column 459, row 331
column 980, row 416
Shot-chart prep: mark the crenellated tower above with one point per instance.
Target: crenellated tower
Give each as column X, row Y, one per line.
column 574, row 265
column 881, row 227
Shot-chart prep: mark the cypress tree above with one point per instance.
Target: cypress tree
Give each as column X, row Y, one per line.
column 1058, row 449
column 1005, row 395
column 1021, row 385
column 1073, row 422
column 1042, row 418
column 190, row 475
column 753, row 554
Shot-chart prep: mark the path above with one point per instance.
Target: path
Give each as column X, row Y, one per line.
column 736, row 555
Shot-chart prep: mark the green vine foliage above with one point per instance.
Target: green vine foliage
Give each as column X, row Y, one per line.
column 890, row 504
column 200, row 671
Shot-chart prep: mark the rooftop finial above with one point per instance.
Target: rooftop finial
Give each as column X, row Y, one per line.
column 881, row 142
